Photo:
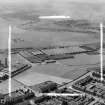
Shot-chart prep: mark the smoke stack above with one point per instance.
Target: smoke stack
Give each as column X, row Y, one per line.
column 6, row 64
column 0, row 62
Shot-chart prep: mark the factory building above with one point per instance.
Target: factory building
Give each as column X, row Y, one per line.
column 92, row 46
column 53, row 53
column 45, row 87
column 30, row 57
column 66, row 50
column 91, row 86
column 3, row 64
column 17, row 96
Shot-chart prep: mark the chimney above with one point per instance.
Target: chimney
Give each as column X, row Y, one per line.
column 0, row 63
column 6, row 63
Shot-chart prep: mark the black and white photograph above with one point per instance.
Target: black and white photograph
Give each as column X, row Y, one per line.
column 52, row 52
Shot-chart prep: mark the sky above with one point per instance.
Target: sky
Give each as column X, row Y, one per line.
column 89, row 10
column 37, row 1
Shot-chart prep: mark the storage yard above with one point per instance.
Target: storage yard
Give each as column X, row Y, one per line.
column 41, row 55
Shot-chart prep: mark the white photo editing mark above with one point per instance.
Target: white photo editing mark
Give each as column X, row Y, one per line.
column 101, row 50
column 62, row 94
column 55, row 17
column 9, row 59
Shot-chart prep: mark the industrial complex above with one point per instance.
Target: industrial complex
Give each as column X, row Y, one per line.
column 89, row 88
column 52, row 52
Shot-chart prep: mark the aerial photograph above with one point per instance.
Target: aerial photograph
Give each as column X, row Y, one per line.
column 52, row 52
